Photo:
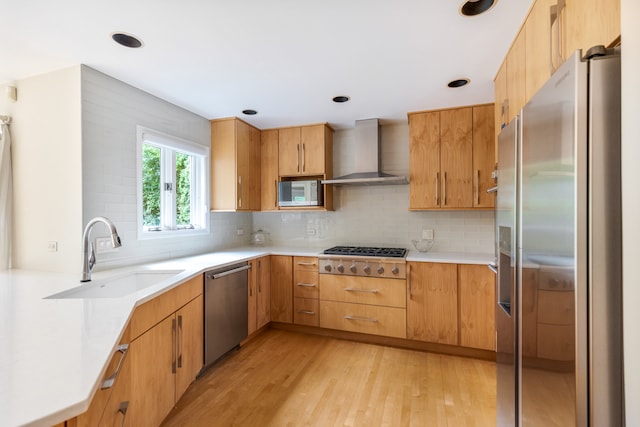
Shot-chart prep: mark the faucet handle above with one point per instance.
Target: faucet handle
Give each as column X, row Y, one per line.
column 92, row 257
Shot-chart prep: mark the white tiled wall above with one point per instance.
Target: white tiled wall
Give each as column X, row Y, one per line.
column 111, row 110
column 379, row 215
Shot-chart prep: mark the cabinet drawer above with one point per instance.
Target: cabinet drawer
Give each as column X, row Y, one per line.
column 305, row 263
column 305, row 284
column 305, row 311
column 367, row 319
column 364, row 290
column 556, row 308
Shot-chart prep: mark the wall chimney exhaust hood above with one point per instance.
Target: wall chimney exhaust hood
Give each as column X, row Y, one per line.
column 366, row 170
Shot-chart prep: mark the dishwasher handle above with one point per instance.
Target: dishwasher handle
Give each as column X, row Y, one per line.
column 228, row 272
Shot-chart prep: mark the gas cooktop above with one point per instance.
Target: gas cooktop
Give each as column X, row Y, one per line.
column 366, row 251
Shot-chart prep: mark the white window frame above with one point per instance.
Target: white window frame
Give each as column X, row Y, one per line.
column 169, row 144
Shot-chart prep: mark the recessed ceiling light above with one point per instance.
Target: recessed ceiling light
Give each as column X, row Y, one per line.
column 249, row 112
column 476, row 7
column 340, row 99
column 458, row 83
column 126, row 40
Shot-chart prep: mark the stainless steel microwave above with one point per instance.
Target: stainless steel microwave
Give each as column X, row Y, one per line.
column 300, row 193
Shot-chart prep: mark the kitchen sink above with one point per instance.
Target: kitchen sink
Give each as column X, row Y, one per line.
column 118, row 286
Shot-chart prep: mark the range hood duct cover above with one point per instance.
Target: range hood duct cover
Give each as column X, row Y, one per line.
column 366, row 170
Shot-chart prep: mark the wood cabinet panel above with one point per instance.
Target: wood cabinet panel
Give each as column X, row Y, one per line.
column 117, row 407
column 281, row 288
column 305, row 263
column 269, row 170
column 424, row 160
column 306, row 311
column 289, row 151
column 432, row 302
column 484, row 161
column 305, row 284
column 456, row 157
column 252, row 298
column 501, row 107
column 516, row 72
column 364, row 290
column 189, row 344
column 477, row 306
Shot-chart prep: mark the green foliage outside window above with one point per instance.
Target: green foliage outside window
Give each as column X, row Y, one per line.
column 150, row 185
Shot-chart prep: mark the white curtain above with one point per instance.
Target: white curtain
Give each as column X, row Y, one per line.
column 6, row 194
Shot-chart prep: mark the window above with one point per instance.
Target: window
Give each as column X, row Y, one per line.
column 172, row 181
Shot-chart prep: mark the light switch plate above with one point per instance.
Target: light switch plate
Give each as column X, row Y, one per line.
column 427, row 233
column 103, row 244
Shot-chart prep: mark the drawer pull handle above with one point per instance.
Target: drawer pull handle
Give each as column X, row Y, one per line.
column 124, row 406
column 306, row 285
column 108, row 383
column 371, row 291
column 307, row 264
column 311, row 313
column 366, row 319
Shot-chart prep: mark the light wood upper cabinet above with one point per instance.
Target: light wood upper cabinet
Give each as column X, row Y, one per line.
column 235, row 166
column 305, row 151
column 281, row 289
column 538, row 42
column 484, row 161
column 456, row 156
column 451, row 158
column 587, row 23
column 269, row 170
column 432, row 302
column 477, row 306
column 516, row 69
column 501, row 106
column 424, row 160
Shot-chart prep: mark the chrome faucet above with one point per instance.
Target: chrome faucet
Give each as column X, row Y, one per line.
column 88, row 254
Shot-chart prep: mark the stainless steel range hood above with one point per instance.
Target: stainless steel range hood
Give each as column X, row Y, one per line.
column 366, row 170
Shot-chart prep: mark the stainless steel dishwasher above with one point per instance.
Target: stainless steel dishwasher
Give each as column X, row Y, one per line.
column 225, row 310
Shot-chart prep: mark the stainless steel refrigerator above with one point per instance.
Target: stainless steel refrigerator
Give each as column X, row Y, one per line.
column 558, row 232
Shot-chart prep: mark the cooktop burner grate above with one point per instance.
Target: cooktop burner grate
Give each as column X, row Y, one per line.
column 366, row 251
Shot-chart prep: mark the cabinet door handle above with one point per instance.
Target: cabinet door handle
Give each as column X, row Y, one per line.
column 303, row 162
column 108, row 383
column 366, row 319
column 371, row 291
column 306, row 285
column 173, row 340
column 124, row 407
column 275, row 202
column 444, row 189
column 311, row 313
column 478, row 187
column 409, row 280
column 180, row 338
column 437, row 188
column 258, row 277
column 298, row 157
column 239, row 191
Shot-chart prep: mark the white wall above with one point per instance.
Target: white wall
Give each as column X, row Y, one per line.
column 47, row 173
column 111, row 110
column 631, row 205
column 379, row 215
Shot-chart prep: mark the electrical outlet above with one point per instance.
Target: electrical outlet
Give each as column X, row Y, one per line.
column 427, row 233
column 240, row 231
column 52, row 246
column 103, row 244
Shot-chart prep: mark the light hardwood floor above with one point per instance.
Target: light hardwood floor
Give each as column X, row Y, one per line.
column 284, row 378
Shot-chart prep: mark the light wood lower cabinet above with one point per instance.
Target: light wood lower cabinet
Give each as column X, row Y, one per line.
column 281, row 288
column 306, row 311
column 259, row 297
column 477, row 306
column 432, row 302
column 363, row 318
column 364, row 290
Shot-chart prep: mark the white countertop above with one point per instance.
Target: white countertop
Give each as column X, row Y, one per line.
column 55, row 351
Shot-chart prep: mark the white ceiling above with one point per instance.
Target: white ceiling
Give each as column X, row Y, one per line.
column 284, row 58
